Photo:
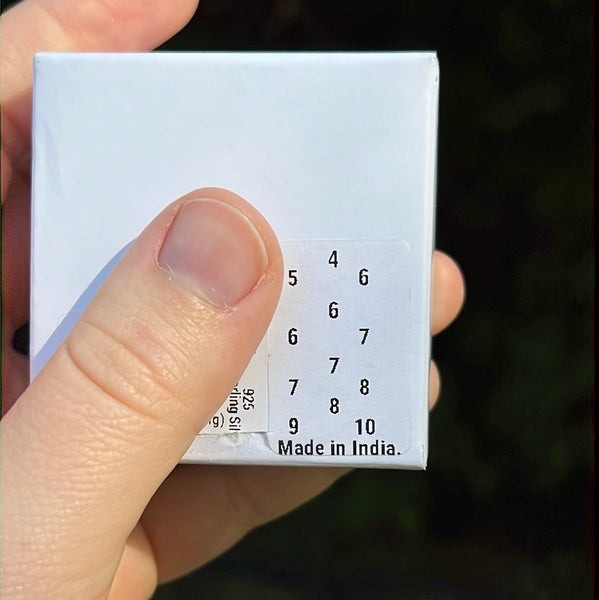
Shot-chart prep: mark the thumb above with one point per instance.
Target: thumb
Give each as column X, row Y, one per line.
column 154, row 355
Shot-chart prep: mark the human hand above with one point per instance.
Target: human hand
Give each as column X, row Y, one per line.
column 94, row 503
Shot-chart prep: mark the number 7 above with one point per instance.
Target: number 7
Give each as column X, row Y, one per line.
column 365, row 331
column 293, row 383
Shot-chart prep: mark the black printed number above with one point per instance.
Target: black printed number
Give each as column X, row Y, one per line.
column 293, row 383
column 292, row 336
column 334, row 310
column 333, row 260
column 365, row 426
column 293, row 426
column 334, row 407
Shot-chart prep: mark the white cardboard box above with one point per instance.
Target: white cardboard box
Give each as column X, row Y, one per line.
column 337, row 150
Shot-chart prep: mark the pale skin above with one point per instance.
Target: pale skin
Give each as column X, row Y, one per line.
column 93, row 502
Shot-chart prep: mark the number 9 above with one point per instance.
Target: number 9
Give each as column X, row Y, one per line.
column 293, row 426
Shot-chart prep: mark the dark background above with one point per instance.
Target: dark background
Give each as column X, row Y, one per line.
column 504, row 510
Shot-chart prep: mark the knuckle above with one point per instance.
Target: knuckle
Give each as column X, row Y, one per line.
column 143, row 377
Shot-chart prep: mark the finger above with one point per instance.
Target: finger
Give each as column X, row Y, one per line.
column 136, row 575
column 154, row 355
column 216, row 506
column 434, row 385
column 448, row 292
column 76, row 25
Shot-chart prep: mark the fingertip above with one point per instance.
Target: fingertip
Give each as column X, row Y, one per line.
column 434, row 387
column 448, row 291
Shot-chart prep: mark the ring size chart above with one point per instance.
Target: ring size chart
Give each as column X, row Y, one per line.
column 338, row 369
column 332, row 377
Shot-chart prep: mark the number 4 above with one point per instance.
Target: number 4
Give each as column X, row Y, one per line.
column 333, row 260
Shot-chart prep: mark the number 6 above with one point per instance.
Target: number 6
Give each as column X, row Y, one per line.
column 334, row 310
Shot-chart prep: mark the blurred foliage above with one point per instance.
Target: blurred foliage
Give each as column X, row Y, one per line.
column 504, row 510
